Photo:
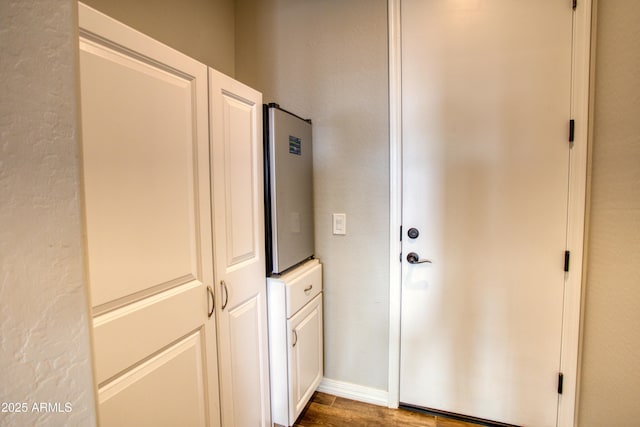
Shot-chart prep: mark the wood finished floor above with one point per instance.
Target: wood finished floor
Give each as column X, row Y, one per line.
column 325, row 410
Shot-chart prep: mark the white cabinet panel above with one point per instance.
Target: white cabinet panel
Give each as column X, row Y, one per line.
column 236, row 159
column 177, row 372
column 239, row 160
column 117, row 334
column 140, row 149
column 148, row 216
column 305, row 355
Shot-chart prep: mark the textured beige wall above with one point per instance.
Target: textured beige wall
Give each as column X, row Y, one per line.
column 44, row 326
column 202, row 29
column 610, row 378
column 327, row 60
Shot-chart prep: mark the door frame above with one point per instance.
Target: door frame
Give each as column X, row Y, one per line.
column 578, row 167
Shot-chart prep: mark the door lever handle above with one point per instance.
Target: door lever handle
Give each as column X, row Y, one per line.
column 414, row 258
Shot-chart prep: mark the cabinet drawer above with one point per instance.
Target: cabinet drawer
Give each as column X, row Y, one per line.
column 303, row 288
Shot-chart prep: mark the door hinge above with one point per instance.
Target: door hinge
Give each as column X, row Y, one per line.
column 572, row 129
column 560, row 381
column 567, row 255
column 401, row 233
column 575, row 4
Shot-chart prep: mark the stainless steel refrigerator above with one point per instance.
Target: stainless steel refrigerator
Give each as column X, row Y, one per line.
column 288, row 189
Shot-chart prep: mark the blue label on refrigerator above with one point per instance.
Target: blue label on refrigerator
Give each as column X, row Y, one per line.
column 295, row 146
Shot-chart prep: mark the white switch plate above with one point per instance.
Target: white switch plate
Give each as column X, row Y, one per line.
column 340, row 224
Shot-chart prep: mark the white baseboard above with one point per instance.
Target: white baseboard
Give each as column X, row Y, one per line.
column 354, row 392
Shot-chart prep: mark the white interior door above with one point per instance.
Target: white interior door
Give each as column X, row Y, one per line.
column 148, row 223
column 236, row 158
column 485, row 106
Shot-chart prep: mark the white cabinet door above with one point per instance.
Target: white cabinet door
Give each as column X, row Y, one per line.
column 148, row 225
column 236, row 158
column 305, row 355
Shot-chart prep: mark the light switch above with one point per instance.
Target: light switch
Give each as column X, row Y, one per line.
column 339, row 223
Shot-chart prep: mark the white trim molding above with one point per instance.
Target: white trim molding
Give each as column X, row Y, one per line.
column 354, row 392
column 395, row 199
column 581, row 68
column 567, row 402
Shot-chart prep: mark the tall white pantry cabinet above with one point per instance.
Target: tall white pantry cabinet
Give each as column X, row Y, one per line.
column 172, row 176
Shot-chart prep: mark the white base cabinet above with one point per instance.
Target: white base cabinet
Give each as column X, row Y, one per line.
column 296, row 340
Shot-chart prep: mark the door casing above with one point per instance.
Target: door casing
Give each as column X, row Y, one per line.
column 580, row 107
